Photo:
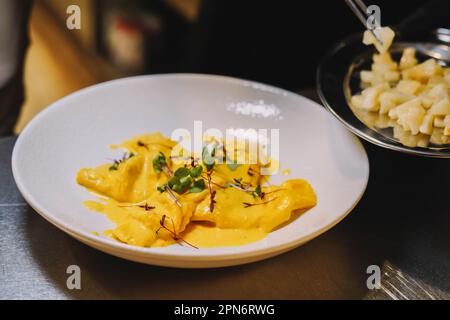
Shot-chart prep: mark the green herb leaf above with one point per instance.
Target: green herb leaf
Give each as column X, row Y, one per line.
column 196, row 171
column 186, row 180
column 198, row 186
column 258, row 192
column 208, row 156
column 161, row 188
column 180, row 189
column 182, row 172
column 180, row 182
column 159, row 162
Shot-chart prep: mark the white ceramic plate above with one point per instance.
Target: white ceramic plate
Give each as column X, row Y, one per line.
column 75, row 132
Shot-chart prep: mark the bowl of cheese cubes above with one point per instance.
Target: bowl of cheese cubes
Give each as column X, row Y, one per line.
column 396, row 96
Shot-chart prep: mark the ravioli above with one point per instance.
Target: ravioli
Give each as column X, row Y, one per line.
column 155, row 201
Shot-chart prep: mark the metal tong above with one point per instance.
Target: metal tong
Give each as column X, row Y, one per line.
column 360, row 10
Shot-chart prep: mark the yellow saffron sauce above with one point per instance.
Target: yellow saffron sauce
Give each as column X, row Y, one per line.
column 146, row 217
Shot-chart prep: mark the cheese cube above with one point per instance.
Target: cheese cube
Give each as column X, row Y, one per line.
column 408, row 59
column 408, row 86
column 385, row 34
column 422, row 72
column 440, row 108
column 427, row 124
column 410, row 115
column 370, row 97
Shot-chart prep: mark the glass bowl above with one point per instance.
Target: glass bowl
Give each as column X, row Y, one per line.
column 338, row 79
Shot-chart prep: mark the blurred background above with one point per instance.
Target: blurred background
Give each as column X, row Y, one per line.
column 275, row 42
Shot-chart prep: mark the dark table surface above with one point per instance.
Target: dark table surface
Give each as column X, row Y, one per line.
column 402, row 225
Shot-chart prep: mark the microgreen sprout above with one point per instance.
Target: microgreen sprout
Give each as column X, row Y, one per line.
column 248, row 205
column 116, row 163
column 173, row 232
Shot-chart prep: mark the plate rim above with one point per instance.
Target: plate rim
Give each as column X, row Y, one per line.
column 159, row 252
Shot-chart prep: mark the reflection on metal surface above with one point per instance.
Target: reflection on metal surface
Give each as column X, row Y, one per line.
column 13, row 205
column 443, row 34
column 398, row 285
column 255, row 109
column 34, row 261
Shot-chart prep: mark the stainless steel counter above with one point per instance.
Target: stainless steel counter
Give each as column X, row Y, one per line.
column 402, row 225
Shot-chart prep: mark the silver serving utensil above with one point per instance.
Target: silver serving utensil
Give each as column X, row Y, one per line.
column 360, row 10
